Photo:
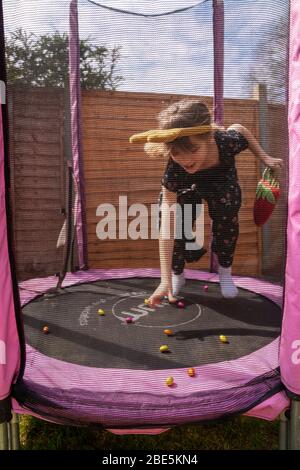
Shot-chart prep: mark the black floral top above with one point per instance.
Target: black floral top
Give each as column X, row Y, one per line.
column 230, row 143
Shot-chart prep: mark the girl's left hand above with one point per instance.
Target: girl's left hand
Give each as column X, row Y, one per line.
column 274, row 163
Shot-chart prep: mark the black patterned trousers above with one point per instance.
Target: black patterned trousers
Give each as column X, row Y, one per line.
column 223, row 207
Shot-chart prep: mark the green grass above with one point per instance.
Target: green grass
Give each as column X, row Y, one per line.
column 239, row 433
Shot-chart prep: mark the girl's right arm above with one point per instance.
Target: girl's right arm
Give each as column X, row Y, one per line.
column 166, row 247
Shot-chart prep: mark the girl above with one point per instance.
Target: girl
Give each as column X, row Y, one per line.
column 200, row 166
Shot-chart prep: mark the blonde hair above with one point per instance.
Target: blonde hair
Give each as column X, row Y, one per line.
column 184, row 113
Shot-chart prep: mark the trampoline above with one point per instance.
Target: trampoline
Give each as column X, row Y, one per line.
column 78, row 343
column 110, row 356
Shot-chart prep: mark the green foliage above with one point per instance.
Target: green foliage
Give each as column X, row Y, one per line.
column 43, row 61
column 271, row 62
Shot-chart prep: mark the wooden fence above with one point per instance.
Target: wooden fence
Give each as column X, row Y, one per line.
column 36, row 125
column 113, row 167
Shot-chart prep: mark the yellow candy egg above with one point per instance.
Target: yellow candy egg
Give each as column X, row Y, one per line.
column 168, row 332
column 191, row 372
column 223, row 339
column 101, row 312
column 146, row 301
column 164, row 348
column 169, row 381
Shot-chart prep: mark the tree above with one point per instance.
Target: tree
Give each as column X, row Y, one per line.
column 270, row 67
column 43, row 61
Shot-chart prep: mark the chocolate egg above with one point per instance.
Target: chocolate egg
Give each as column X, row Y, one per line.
column 169, row 381
column 191, row 372
column 168, row 332
column 223, row 339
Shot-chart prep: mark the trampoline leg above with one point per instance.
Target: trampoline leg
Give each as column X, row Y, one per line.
column 14, row 433
column 4, row 436
column 283, row 432
column 294, row 426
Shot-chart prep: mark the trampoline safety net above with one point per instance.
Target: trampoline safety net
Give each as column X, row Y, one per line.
column 89, row 194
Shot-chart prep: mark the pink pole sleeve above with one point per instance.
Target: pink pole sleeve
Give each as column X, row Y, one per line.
column 9, row 340
column 290, row 341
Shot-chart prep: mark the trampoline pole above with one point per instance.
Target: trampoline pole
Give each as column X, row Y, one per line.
column 283, row 432
column 15, row 432
column 294, row 426
column 4, row 436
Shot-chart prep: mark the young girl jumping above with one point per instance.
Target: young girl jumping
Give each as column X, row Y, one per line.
column 200, row 166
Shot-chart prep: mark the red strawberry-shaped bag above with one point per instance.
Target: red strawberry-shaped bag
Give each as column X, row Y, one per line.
column 267, row 194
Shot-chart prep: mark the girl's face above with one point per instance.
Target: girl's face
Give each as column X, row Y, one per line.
column 192, row 161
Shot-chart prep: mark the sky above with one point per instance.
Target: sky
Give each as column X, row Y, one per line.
column 168, row 54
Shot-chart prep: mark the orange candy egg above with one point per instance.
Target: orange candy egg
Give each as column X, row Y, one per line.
column 191, row 372
column 168, row 332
